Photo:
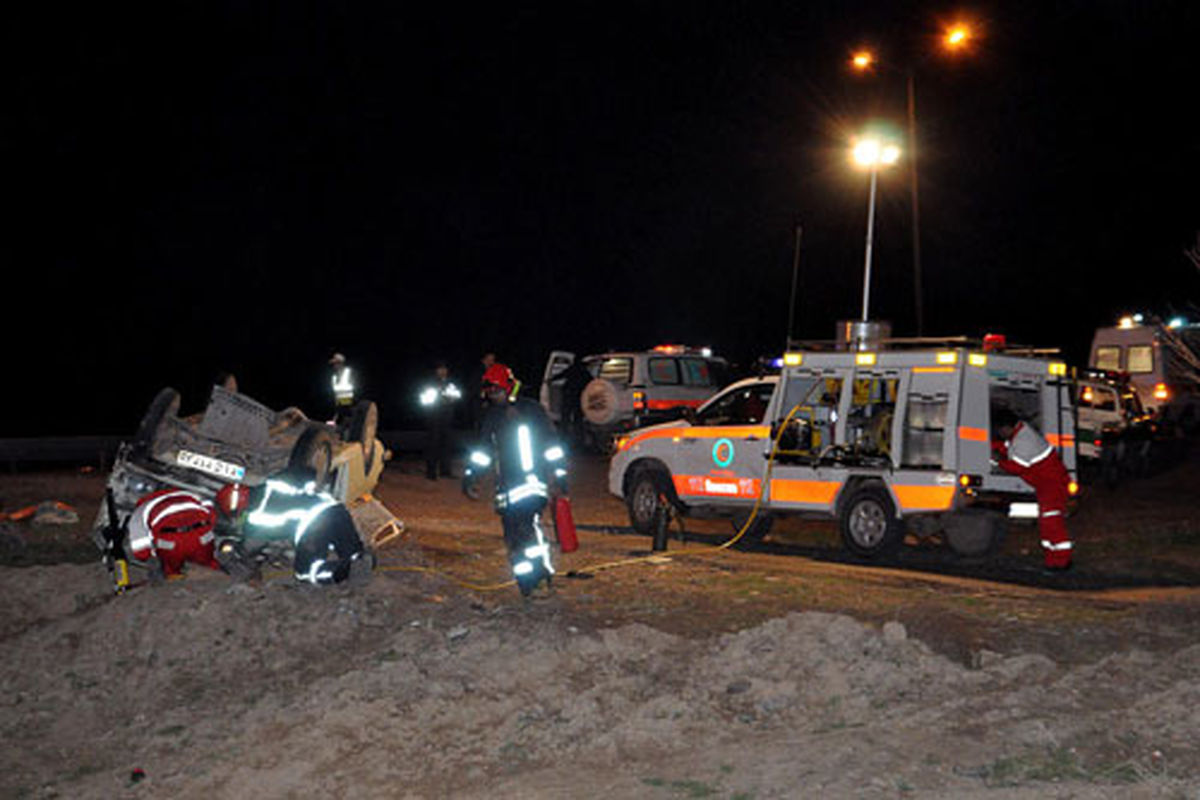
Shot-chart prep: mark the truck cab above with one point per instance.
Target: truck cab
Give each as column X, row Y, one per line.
column 881, row 440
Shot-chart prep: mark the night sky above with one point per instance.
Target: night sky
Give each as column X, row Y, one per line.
column 249, row 187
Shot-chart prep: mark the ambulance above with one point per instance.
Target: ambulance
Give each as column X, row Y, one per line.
column 887, row 440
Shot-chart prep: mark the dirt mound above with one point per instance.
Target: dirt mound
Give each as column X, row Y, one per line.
column 223, row 690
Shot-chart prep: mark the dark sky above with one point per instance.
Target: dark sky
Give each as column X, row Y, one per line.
column 239, row 186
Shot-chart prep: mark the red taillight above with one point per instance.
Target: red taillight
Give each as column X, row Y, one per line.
column 1161, row 392
column 639, row 401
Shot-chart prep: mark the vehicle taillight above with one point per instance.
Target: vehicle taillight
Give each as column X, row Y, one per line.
column 639, row 401
column 1072, row 488
column 965, row 480
column 1161, row 392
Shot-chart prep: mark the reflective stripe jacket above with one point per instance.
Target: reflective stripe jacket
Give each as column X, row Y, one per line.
column 519, row 439
column 162, row 518
column 1027, row 447
column 343, row 386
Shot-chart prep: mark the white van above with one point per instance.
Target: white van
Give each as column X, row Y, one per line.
column 1162, row 361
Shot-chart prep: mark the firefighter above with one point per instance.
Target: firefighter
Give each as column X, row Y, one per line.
column 1022, row 451
column 516, row 436
column 172, row 527
column 438, row 401
column 342, row 383
column 320, row 527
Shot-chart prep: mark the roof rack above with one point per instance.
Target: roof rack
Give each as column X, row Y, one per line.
column 921, row 342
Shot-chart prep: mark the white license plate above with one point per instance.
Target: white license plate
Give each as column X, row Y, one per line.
column 1023, row 510
column 213, row 466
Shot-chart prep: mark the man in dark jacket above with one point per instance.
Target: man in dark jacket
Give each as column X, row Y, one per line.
column 438, row 399
column 517, row 438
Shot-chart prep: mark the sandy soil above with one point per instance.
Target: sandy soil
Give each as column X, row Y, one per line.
column 780, row 671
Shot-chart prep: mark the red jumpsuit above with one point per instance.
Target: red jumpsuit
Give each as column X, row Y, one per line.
column 176, row 526
column 1030, row 457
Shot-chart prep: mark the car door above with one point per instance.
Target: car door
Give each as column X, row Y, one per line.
column 551, row 393
column 722, row 454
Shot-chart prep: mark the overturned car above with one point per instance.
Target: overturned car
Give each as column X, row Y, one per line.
column 237, row 440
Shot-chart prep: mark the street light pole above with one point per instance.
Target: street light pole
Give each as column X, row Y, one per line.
column 916, row 206
column 870, row 242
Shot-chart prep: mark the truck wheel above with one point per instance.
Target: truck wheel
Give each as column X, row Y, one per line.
column 868, row 522
column 641, row 498
column 364, row 424
column 599, row 402
column 972, row 534
column 758, row 529
column 314, row 451
column 164, row 406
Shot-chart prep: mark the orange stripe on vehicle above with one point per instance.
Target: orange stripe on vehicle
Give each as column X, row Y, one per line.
column 708, row 486
column 661, row 405
column 795, row 491
column 700, row 432
column 914, row 498
column 934, row 369
column 1060, row 440
column 972, row 434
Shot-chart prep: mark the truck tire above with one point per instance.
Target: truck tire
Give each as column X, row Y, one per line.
column 599, row 402
column 641, row 499
column 758, row 529
column 974, row 533
column 364, row 424
column 164, row 406
column 868, row 522
column 314, row 451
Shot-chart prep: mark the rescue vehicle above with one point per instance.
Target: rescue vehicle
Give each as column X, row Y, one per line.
column 883, row 440
column 1162, row 360
column 630, row 389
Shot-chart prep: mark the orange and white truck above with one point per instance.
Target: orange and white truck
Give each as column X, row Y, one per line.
column 883, row 440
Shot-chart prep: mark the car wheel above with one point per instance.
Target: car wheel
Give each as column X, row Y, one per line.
column 758, row 529
column 972, row 534
column 314, row 451
column 364, row 424
column 164, row 406
column 868, row 522
column 641, row 498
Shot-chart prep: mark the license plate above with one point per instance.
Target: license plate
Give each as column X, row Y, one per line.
column 213, row 466
column 1023, row 510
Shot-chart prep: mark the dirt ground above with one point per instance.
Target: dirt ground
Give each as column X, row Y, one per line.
column 775, row 671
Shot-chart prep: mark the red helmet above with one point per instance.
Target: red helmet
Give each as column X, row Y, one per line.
column 499, row 375
column 233, row 499
column 164, row 513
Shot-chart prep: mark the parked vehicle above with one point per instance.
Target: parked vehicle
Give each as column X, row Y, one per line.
column 1162, row 360
column 881, row 440
column 630, row 389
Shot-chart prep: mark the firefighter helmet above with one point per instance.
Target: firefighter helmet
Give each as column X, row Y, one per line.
column 499, row 375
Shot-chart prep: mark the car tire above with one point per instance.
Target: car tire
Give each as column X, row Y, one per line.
column 599, row 402
column 641, row 499
column 364, row 425
column 868, row 522
column 974, row 533
column 758, row 529
column 314, row 451
column 164, row 406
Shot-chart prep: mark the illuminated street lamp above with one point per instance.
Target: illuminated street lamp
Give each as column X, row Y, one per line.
column 956, row 38
column 872, row 153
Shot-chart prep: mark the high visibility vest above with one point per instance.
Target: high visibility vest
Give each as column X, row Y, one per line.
column 1027, row 447
column 343, row 386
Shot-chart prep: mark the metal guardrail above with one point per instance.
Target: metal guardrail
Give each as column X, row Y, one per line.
column 43, row 451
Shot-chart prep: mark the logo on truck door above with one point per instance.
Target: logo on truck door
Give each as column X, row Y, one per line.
column 722, row 452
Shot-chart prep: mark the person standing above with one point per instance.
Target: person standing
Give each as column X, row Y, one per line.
column 575, row 379
column 1022, row 451
column 342, row 385
column 438, row 400
column 517, row 438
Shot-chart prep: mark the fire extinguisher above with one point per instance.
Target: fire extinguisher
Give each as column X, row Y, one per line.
column 564, row 526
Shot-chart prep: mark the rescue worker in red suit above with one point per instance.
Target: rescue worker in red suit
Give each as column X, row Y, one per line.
column 1020, row 450
column 173, row 527
column 518, row 439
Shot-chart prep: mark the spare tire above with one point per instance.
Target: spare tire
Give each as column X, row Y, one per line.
column 599, row 402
